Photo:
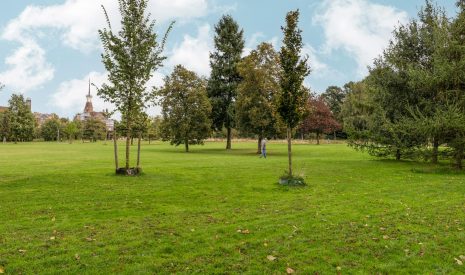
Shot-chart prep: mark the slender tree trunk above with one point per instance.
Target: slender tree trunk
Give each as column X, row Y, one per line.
column 434, row 158
column 335, row 136
column 138, row 150
column 398, row 154
column 459, row 157
column 150, row 140
column 228, row 141
column 259, row 150
column 186, row 144
column 317, row 138
column 289, row 149
column 132, row 141
column 128, row 142
column 115, row 147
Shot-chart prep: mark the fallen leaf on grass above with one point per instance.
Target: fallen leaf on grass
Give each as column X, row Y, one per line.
column 462, row 257
column 386, row 237
column 290, row 270
column 52, row 238
column 77, row 257
column 53, row 219
column 459, row 262
column 245, row 231
column 90, row 239
column 271, row 258
column 2, row 270
column 22, row 251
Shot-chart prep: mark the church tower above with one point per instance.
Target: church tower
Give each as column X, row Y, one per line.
column 89, row 108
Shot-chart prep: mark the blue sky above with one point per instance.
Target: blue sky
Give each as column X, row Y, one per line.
column 49, row 48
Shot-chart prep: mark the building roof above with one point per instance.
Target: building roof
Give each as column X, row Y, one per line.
column 3, row 109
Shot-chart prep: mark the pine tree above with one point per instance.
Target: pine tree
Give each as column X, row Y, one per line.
column 185, row 108
column 224, row 78
column 130, row 56
column 293, row 97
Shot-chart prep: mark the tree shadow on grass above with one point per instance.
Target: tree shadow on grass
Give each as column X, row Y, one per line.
column 197, row 150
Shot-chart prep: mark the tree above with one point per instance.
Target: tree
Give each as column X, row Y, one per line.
column 400, row 80
column 94, row 129
column 224, row 78
column 20, row 120
column 72, row 130
column 185, row 108
column 154, row 129
column 320, row 119
column 130, row 56
column 334, row 97
column 49, row 131
column 292, row 101
column 258, row 93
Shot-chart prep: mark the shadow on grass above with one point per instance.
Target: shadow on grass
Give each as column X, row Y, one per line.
column 215, row 151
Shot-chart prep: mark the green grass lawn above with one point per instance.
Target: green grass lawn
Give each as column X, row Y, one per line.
column 211, row 211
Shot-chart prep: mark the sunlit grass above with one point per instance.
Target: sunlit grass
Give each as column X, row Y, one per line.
column 214, row 211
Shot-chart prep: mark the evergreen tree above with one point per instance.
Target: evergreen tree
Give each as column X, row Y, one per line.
column 130, row 56
column 293, row 97
column 224, row 78
column 185, row 108
column 258, row 93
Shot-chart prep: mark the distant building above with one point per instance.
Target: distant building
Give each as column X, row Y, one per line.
column 90, row 114
column 39, row 117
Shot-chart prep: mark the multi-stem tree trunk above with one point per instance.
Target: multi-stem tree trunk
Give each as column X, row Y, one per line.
column 434, row 157
column 259, row 150
column 115, row 145
column 289, row 149
column 139, row 138
column 228, row 141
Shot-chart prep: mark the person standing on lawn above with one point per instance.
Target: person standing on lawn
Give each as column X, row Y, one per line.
column 263, row 146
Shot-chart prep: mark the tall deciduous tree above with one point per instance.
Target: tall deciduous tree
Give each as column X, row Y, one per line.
column 320, row 119
column 224, row 78
column 130, row 56
column 258, row 93
column 20, row 119
column 293, row 97
column 185, row 108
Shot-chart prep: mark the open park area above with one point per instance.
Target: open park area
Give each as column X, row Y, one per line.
column 63, row 210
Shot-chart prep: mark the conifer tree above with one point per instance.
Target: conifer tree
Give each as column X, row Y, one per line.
column 224, row 78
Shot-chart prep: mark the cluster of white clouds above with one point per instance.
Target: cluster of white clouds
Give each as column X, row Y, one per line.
column 358, row 27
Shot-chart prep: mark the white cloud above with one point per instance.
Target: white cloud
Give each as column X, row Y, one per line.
column 28, row 68
column 194, row 52
column 361, row 28
column 318, row 67
column 77, row 23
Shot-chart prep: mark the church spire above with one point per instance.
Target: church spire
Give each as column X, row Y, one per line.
column 89, row 108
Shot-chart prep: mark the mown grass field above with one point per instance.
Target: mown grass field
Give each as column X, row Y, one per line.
column 63, row 211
